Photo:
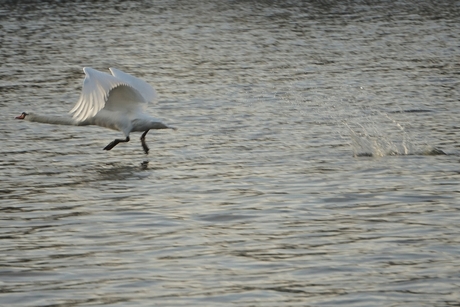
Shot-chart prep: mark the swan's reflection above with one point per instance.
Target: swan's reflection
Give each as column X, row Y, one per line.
column 120, row 171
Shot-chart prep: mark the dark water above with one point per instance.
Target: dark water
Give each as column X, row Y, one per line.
column 316, row 161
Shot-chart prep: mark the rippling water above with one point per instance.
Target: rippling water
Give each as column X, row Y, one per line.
column 316, row 161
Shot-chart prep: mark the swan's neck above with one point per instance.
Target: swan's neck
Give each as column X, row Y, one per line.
column 56, row 120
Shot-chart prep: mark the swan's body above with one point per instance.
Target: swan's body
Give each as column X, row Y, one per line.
column 114, row 101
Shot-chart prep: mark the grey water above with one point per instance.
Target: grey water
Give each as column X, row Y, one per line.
column 316, row 161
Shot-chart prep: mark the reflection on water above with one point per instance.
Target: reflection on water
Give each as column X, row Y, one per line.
column 316, row 161
column 117, row 171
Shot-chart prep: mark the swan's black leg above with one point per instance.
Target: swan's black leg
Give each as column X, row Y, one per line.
column 115, row 143
column 144, row 145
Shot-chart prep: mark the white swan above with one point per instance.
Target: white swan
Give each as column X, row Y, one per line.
column 114, row 101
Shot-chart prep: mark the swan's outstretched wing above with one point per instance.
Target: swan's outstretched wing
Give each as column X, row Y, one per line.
column 101, row 90
column 146, row 90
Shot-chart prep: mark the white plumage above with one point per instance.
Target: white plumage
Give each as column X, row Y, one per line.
column 97, row 86
column 114, row 101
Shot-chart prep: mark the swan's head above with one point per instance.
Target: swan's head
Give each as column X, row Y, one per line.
column 22, row 116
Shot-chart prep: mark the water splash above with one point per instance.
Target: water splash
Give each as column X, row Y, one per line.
column 372, row 128
column 385, row 136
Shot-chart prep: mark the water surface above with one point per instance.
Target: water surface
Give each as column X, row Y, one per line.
column 316, row 161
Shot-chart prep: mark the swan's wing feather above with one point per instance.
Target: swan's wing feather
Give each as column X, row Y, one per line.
column 145, row 89
column 96, row 87
column 98, row 92
column 125, row 99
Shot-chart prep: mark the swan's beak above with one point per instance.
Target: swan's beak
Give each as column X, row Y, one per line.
column 22, row 116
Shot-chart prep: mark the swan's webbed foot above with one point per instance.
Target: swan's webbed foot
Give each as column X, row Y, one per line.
column 144, row 145
column 146, row 148
column 115, row 143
